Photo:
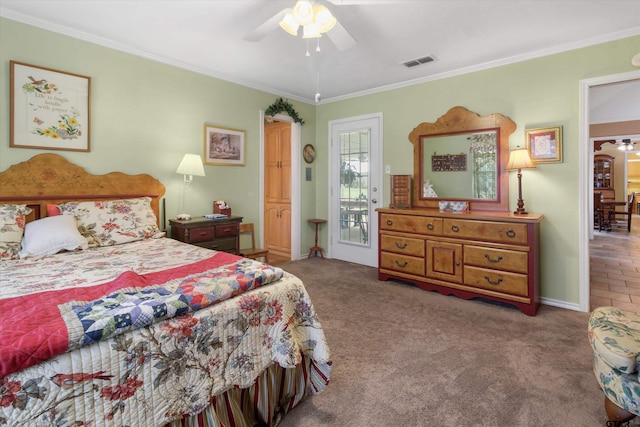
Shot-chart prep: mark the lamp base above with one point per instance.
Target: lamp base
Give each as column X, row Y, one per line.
column 521, row 212
column 184, row 217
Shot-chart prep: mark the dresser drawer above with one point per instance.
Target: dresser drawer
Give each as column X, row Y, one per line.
column 403, row 263
column 226, row 230
column 402, row 245
column 200, row 234
column 411, row 224
column 499, row 259
column 225, row 245
column 499, row 281
column 485, row 230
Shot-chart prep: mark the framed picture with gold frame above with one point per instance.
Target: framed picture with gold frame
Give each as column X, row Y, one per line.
column 223, row 146
column 544, row 144
column 50, row 109
column 309, row 153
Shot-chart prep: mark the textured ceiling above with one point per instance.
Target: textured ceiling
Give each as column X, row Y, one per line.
column 210, row 37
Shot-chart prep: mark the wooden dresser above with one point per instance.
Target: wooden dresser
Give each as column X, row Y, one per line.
column 491, row 255
column 219, row 234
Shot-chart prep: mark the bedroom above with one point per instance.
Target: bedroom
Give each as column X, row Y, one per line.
column 155, row 112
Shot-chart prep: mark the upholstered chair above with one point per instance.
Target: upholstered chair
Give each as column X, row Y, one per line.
column 615, row 338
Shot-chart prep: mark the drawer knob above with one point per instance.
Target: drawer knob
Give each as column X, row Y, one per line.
column 455, row 228
column 511, row 233
column 404, row 264
column 401, row 246
column 430, row 226
column 389, row 222
column 493, row 282
column 493, row 260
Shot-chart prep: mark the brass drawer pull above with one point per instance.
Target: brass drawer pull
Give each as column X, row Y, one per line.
column 455, row 228
column 511, row 233
column 403, row 264
column 430, row 226
column 493, row 260
column 492, row 282
column 389, row 222
column 399, row 246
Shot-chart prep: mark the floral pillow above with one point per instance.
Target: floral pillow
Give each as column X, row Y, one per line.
column 112, row 222
column 12, row 220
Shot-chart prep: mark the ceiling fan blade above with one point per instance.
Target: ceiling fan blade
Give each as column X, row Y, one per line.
column 268, row 26
column 341, row 37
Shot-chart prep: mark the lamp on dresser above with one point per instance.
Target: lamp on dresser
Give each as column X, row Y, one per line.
column 190, row 165
column 519, row 159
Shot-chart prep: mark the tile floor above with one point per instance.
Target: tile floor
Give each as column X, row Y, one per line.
column 615, row 268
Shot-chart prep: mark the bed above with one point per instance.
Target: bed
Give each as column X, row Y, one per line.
column 125, row 327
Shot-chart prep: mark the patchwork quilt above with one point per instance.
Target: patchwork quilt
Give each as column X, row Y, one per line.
column 145, row 333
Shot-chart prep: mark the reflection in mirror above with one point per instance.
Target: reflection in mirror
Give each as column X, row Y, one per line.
column 470, row 173
column 462, row 157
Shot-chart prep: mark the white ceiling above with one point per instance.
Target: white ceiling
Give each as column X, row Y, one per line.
column 209, row 36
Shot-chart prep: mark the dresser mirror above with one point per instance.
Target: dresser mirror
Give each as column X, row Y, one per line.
column 462, row 157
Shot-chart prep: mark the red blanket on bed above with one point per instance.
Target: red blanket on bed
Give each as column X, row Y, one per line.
column 32, row 329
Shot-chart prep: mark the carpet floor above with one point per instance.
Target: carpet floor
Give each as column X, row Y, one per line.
column 407, row 357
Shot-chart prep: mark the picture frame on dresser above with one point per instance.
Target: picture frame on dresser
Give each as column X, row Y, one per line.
column 544, row 144
column 50, row 109
column 223, row 146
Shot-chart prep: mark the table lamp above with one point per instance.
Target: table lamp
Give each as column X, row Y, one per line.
column 519, row 159
column 190, row 165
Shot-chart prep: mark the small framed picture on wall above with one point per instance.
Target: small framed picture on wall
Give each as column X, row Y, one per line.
column 545, row 144
column 223, row 146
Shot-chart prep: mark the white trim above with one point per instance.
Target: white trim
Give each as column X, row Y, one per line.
column 295, row 182
column 585, row 179
column 560, row 304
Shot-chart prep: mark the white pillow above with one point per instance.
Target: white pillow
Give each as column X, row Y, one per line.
column 50, row 235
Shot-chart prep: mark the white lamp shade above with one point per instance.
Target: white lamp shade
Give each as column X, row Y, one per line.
column 191, row 164
column 310, row 31
column 289, row 24
column 324, row 19
column 303, row 12
column 519, row 159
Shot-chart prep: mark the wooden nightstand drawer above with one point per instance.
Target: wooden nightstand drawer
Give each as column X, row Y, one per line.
column 201, row 234
column 225, row 245
column 227, row 230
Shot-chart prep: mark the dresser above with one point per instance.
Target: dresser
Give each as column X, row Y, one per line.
column 490, row 255
column 219, row 234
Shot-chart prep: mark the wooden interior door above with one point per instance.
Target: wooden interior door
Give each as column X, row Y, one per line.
column 277, row 191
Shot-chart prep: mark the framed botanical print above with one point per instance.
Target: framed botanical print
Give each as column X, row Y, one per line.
column 50, row 109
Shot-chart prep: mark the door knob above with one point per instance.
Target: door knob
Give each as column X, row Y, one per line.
column 374, row 200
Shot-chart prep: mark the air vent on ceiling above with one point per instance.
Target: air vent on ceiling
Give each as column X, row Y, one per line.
column 419, row 61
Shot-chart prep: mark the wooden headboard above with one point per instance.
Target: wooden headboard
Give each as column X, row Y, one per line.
column 52, row 179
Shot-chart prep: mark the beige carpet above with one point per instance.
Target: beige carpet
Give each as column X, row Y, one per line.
column 406, row 357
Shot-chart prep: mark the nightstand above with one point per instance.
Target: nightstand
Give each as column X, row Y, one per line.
column 219, row 234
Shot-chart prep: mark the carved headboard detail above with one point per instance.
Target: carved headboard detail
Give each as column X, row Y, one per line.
column 52, row 179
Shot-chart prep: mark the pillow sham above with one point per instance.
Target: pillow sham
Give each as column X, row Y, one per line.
column 12, row 220
column 50, row 235
column 113, row 222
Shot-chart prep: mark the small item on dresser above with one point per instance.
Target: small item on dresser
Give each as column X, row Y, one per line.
column 221, row 207
column 456, row 207
column 216, row 216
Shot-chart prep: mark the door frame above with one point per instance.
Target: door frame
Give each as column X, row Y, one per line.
column 585, row 181
column 295, row 182
column 373, row 231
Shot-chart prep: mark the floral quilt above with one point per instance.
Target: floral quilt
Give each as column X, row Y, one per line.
column 164, row 369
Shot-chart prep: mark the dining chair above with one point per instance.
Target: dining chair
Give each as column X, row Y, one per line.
column 598, row 214
column 626, row 214
column 252, row 252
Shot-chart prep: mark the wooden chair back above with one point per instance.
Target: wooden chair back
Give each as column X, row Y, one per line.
column 598, row 214
column 252, row 252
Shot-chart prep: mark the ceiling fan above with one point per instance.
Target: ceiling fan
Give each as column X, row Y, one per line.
column 624, row 144
column 337, row 33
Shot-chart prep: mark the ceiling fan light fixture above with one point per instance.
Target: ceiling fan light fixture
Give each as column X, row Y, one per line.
column 310, row 31
column 323, row 18
column 626, row 145
column 303, row 12
column 289, row 23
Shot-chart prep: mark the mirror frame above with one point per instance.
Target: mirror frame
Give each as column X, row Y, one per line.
column 460, row 120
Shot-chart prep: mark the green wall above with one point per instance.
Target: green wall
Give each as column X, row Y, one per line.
column 146, row 115
column 536, row 93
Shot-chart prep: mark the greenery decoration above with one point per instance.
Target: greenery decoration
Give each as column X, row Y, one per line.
column 283, row 105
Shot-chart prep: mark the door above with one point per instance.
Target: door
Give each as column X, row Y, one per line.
column 355, row 168
column 277, row 196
